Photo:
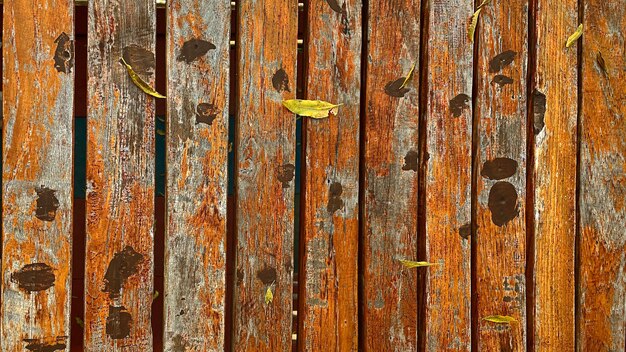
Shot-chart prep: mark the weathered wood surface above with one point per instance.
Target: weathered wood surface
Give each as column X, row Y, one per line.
column 329, row 303
column 602, row 290
column 501, row 173
column 197, row 147
column 267, row 48
column 38, row 86
column 390, row 191
column 448, row 176
column 553, row 110
column 120, row 177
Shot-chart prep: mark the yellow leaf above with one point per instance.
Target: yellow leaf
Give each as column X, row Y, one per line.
column 472, row 28
column 312, row 108
column 574, row 37
column 408, row 77
column 500, row 319
column 269, row 296
column 141, row 83
column 412, row 264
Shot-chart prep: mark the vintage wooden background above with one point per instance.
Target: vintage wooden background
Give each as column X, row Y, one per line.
column 131, row 223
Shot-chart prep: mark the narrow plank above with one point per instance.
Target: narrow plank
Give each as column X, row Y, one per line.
column 38, row 86
column 448, row 176
column 265, row 176
column 390, row 177
column 329, row 305
column 501, row 173
column 120, row 177
column 554, row 112
column 197, row 148
column 602, row 285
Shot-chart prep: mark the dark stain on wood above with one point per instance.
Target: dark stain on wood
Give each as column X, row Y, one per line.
column 410, row 161
column 458, row 104
column 501, row 61
column 267, row 275
column 194, row 49
column 47, row 204
column 503, row 203
column 502, row 80
column 285, row 174
column 141, row 60
column 335, row 6
column 47, row 344
column 34, row 277
column 601, row 63
column 539, row 111
column 118, row 323
column 123, row 265
column 206, row 113
column 465, row 231
column 64, row 53
column 280, row 81
column 499, row 168
column 179, row 344
column 334, row 198
column 393, row 89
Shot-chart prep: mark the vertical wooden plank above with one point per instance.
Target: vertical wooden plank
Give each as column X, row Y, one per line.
column 265, row 176
column 330, row 233
column 602, row 290
column 120, row 177
column 554, row 111
column 390, row 176
column 501, row 173
column 38, row 86
column 448, row 176
column 197, row 135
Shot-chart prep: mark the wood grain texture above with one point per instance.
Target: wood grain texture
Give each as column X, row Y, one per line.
column 329, row 310
column 448, row 177
column 38, row 86
column 120, row 177
column 391, row 178
column 554, row 112
column 267, row 48
column 501, row 173
column 197, row 134
column 602, row 290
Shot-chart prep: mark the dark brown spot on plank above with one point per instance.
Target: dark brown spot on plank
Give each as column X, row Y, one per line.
column 280, row 81
column 539, row 111
column 502, row 80
column 285, row 174
column 335, row 6
column 601, row 63
column 206, row 113
column 118, row 323
column 334, row 198
column 503, row 203
column 501, row 61
column 267, row 275
column 46, row 344
column 410, row 161
column 140, row 59
column 465, row 231
column 393, row 88
column 499, row 168
column 178, row 343
column 64, row 53
column 194, row 49
column 123, row 265
column 34, row 277
column 47, row 204
column 458, row 104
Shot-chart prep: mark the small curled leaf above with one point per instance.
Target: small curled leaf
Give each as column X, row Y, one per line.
column 408, row 77
column 474, row 22
column 269, row 296
column 312, row 108
column 155, row 295
column 140, row 82
column 412, row 264
column 80, row 322
column 500, row 319
column 574, row 37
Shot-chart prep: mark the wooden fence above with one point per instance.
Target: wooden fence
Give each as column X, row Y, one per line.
column 218, row 220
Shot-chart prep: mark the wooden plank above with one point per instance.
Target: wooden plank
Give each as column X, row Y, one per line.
column 329, row 305
column 448, row 177
column 554, row 112
column 38, row 86
column 265, row 176
column 602, row 290
column 390, row 177
column 197, row 148
column 501, row 173
column 120, row 177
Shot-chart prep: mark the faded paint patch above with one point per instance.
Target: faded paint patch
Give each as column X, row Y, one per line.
column 501, row 61
column 280, row 81
column 465, row 231
column 285, row 174
column 34, row 277
column 64, row 53
column 395, row 89
column 334, row 198
column 267, row 275
column 179, row 344
column 141, row 60
column 503, row 203
column 499, row 168
column 335, row 6
column 206, row 113
column 539, row 111
column 118, row 323
column 410, row 161
column 194, row 49
column 123, row 265
column 49, row 344
column 47, row 204
column 502, row 80
column 458, row 104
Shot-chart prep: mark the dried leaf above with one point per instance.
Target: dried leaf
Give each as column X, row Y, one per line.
column 140, row 82
column 80, row 322
column 412, row 264
column 601, row 63
column 472, row 28
column 574, row 37
column 408, row 77
column 155, row 295
column 500, row 319
column 269, row 296
column 312, row 108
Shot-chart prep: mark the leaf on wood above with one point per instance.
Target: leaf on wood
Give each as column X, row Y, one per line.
column 474, row 22
column 312, row 108
column 160, row 132
column 140, row 82
column 80, row 322
column 269, row 296
column 408, row 77
column 412, row 264
column 574, row 37
column 601, row 63
column 155, row 295
column 500, row 319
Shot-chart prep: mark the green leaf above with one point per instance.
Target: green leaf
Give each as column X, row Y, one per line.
column 474, row 23
column 500, row 319
column 408, row 77
column 574, row 37
column 155, row 295
column 141, row 83
column 412, row 264
column 312, row 108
